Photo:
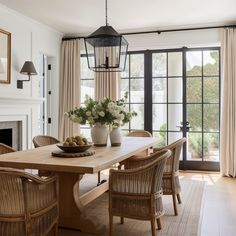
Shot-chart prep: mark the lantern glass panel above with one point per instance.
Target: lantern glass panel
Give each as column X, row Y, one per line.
column 90, row 54
column 106, row 53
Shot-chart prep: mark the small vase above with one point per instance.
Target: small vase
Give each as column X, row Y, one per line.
column 115, row 137
column 99, row 135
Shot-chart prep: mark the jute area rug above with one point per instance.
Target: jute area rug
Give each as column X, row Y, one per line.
column 185, row 224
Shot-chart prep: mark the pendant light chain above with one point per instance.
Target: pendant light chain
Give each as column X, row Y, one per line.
column 106, row 13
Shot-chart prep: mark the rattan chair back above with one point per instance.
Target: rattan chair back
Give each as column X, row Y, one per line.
column 44, row 140
column 29, row 204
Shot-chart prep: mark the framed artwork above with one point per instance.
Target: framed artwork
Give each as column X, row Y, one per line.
column 5, row 57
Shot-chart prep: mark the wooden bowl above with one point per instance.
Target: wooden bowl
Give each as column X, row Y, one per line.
column 74, row 149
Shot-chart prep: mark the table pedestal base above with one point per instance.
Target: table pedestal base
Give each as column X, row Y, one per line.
column 72, row 213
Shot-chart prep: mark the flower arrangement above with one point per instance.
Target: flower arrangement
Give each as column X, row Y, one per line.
column 104, row 112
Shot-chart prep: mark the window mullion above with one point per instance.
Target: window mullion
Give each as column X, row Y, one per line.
column 148, row 91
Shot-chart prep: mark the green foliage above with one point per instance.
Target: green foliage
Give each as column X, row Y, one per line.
column 211, row 112
column 195, row 140
column 162, row 135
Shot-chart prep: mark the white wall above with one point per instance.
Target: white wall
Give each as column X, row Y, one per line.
column 30, row 37
column 196, row 38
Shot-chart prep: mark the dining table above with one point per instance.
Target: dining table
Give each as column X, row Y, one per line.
column 72, row 210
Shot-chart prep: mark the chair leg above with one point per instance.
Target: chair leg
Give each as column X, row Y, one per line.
column 175, row 204
column 179, row 198
column 159, row 223
column 56, row 230
column 122, row 220
column 111, row 225
column 99, row 178
column 153, row 226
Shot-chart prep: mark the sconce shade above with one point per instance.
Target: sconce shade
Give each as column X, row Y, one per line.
column 28, row 68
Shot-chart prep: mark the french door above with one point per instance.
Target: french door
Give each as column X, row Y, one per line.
column 181, row 91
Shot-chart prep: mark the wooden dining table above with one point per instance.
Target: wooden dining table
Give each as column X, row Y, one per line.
column 72, row 213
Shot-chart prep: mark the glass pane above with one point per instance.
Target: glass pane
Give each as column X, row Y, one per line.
column 211, row 89
column 194, row 146
column 211, row 117
column 194, row 90
column 137, row 90
column 86, row 73
column 125, row 73
column 126, row 126
column 163, row 138
column 159, row 64
column 194, row 63
column 86, row 133
column 175, row 67
column 137, row 65
column 159, row 90
column 211, row 63
column 87, row 88
column 124, row 87
column 175, row 90
column 175, row 115
column 124, row 132
column 211, row 147
column 194, row 116
column 137, row 122
column 174, row 136
column 159, row 117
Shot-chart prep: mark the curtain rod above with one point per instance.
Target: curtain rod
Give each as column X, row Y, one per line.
column 161, row 31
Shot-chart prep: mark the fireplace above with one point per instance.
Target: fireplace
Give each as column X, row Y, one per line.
column 11, row 134
column 6, row 136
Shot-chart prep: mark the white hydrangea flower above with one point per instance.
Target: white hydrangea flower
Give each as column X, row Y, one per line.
column 88, row 113
column 101, row 113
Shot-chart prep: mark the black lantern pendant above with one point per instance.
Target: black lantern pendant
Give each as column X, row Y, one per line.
column 106, row 49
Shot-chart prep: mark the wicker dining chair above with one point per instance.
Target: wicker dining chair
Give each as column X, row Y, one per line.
column 137, row 193
column 136, row 133
column 29, row 204
column 6, row 149
column 171, row 184
column 44, row 140
column 139, row 133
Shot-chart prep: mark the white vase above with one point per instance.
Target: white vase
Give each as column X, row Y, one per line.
column 115, row 137
column 99, row 135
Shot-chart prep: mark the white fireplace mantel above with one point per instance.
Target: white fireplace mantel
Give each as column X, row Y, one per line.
column 24, row 109
column 24, row 100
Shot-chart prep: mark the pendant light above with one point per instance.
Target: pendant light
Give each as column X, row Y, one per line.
column 106, row 49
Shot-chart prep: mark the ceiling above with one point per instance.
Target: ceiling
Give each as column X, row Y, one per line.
column 81, row 17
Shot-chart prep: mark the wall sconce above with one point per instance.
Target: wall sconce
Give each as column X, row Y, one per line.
column 27, row 69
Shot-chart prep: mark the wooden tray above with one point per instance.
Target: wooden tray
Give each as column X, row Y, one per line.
column 71, row 155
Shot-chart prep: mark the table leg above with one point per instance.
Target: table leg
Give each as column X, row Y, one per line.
column 72, row 213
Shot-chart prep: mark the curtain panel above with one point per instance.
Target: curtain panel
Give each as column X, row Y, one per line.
column 107, row 85
column 69, row 86
column 228, row 118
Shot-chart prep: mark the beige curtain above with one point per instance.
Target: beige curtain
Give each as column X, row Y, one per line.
column 107, row 85
column 228, row 119
column 69, row 86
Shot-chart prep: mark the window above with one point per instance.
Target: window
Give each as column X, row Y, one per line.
column 86, row 88
column 132, row 81
column 176, row 93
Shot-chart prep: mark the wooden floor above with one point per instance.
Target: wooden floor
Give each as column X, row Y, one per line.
column 218, row 208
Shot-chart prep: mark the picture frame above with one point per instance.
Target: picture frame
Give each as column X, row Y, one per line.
column 5, row 57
